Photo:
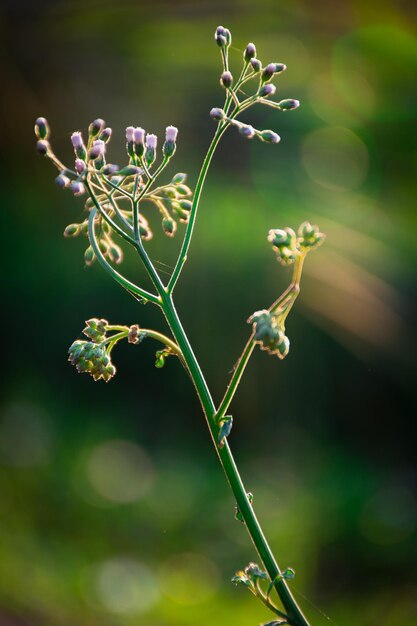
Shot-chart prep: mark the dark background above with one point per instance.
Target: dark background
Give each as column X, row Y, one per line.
column 113, row 507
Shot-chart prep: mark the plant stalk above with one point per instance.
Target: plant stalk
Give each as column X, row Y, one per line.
column 293, row 611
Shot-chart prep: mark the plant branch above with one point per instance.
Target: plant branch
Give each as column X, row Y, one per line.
column 124, row 282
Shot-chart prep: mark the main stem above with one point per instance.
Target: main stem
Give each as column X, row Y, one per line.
column 293, row 611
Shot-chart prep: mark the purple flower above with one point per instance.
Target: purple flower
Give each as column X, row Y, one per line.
column 151, row 141
column 171, row 133
column 80, row 166
column 139, row 135
column 77, row 188
column 129, row 133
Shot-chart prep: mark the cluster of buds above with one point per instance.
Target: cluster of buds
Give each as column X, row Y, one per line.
column 253, row 577
column 288, row 245
column 91, row 358
column 264, row 90
column 109, row 248
column 269, row 333
column 94, row 356
column 110, row 186
column 250, row 575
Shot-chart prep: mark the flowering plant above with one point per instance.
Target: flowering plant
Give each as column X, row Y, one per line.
column 115, row 198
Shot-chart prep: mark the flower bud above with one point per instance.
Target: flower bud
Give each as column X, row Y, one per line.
column 129, row 133
column 110, row 169
column 79, row 147
column 42, row 130
column 89, row 256
column 62, row 180
column 170, row 139
column 217, row 114
column 42, row 146
column 269, row 136
column 267, row 90
column 183, row 190
column 80, row 166
column 280, row 67
column 115, row 254
column 226, row 80
column 77, row 188
column 250, row 52
column 169, row 226
column 179, row 178
column 72, row 230
column 256, row 64
column 97, row 150
column 223, row 37
column 247, row 131
column 309, row 236
column 150, row 153
column 135, row 335
column 289, row 104
column 268, row 72
column 106, row 134
column 130, row 170
column 96, row 127
column 185, row 204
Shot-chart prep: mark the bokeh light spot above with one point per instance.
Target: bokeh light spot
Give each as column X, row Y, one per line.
column 379, row 58
column 120, row 471
column 125, row 586
column 189, row 578
column 335, row 158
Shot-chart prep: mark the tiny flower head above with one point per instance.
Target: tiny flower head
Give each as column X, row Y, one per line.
column 171, row 133
column 250, row 52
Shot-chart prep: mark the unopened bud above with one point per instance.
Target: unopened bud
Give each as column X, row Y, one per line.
column 78, row 144
column 80, row 166
column 106, row 134
column 256, row 64
column 129, row 133
column 217, row 114
column 226, row 79
column 185, row 204
column 89, row 256
column 150, row 152
column 110, row 169
column 96, row 127
column 98, row 149
column 72, row 230
column 289, row 104
column 42, row 146
column 170, row 139
column 250, row 52
column 179, row 178
column 267, row 90
column 268, row 72
column 223, row 37
column 169, row 226
column 247, row 131
column 280, row 67
column 62, row 180
column 116, row 254
column 42, row 130
column 130, row 170
column 269, row 136
column 77, row 188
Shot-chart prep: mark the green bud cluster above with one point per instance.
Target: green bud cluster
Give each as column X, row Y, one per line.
column 288, row 246
column 91, row 358
column 250, row 575
column 284, row 244
column 172, row 201
column 96, row 329
column 309, row 236
column 109, row 248
column 269, row 333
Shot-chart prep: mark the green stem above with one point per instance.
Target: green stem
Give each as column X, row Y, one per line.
column 295, row 616
column 193, row 213
column 126, row 284
column 292, row 293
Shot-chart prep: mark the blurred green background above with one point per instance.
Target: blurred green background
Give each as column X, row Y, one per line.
column 113, row 507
